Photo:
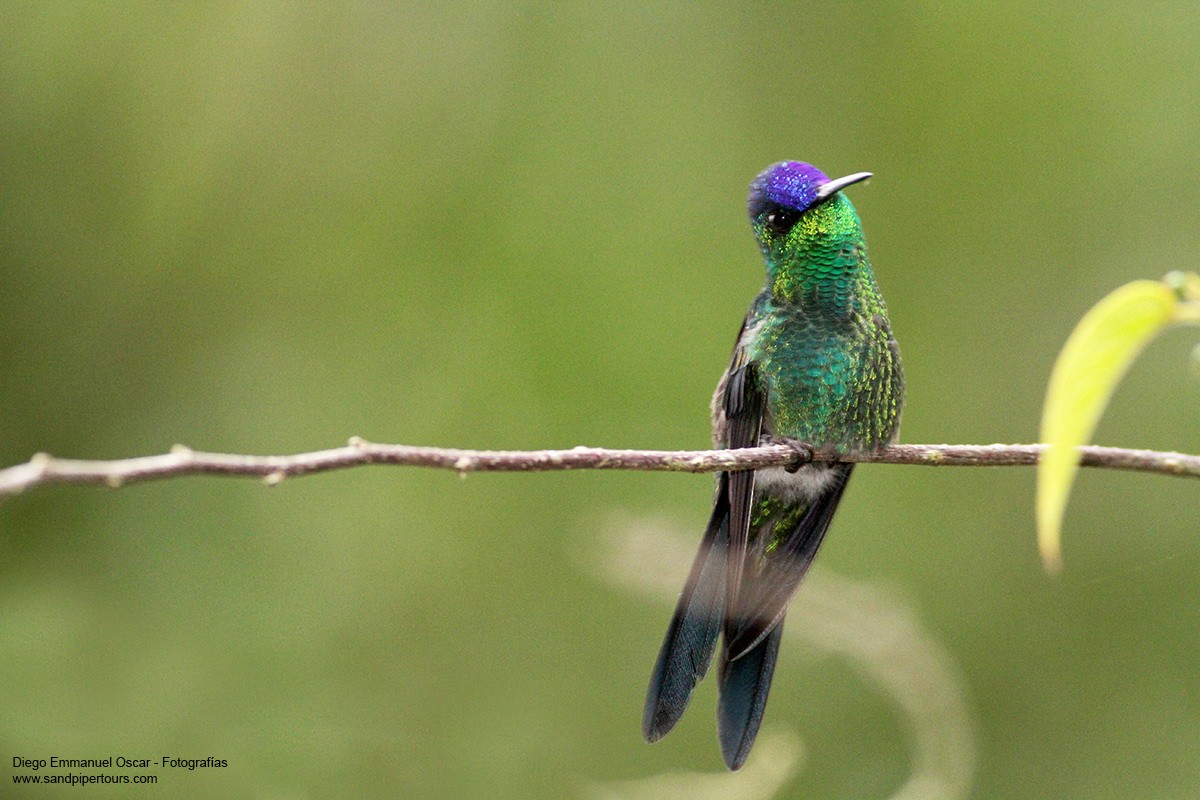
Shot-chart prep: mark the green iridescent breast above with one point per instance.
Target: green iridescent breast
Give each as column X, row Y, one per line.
column 820, row 337
column 831, row 380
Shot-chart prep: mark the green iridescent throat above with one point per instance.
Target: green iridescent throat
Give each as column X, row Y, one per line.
column 820, row 334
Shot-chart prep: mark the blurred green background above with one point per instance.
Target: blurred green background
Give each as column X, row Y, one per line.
column 261, row 227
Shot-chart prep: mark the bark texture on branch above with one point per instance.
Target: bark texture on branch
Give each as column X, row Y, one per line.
column 181, row 460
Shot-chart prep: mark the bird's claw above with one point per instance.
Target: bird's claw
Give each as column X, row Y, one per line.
column 804, row 451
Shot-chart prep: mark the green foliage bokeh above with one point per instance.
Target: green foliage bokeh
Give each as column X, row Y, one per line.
column 266, row 227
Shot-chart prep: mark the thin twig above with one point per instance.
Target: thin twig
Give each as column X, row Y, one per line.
column 43, row 468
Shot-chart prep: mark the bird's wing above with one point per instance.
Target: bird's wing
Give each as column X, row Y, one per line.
column 688, row 647
column 744, row 404
column 691, row 639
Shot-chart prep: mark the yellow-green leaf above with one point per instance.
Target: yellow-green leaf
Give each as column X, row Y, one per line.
column 1091, row 364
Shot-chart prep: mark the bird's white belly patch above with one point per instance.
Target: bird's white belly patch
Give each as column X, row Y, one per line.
column 806, row 483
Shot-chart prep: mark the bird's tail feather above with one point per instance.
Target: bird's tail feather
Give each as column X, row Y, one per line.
column 745, row 684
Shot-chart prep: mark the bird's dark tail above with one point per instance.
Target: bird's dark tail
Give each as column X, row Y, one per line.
column 691, row 639
column 745, row 684
column 783, row 550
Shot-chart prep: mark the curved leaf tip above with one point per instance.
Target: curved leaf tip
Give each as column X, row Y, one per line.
column 1095, row 357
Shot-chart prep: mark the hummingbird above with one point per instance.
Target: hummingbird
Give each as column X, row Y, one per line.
column 815, row 366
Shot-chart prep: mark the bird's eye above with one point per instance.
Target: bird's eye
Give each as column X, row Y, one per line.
column 780, row 221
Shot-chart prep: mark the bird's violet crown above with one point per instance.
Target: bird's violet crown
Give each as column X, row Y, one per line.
column 791, row 184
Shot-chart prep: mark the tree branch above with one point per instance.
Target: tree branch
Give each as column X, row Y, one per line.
column 44, row 469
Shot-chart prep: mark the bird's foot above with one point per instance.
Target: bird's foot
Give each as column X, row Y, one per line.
column 804, row 452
